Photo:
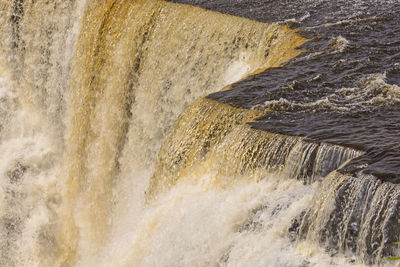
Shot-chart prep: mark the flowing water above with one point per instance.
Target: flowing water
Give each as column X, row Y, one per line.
column 153, row 133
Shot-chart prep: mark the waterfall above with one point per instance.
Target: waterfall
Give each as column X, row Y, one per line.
column 358, row 214
column 113, row 155
column 221, row 138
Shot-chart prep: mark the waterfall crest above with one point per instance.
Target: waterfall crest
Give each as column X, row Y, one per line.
column 217, row 136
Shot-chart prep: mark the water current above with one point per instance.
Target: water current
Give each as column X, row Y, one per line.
column 199, row 133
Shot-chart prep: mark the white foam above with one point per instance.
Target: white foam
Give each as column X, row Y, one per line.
column 371, row 90
column 197, row 224
column 236, row 71
column 338, row 44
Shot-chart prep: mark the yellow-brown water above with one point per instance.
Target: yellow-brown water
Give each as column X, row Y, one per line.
column 129, row 84
column 226, row 145
column 114, row 155
column 135, row 66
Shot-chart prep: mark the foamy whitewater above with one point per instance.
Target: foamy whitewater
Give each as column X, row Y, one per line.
column 112, row 155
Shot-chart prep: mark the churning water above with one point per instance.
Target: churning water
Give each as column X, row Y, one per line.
column 153, row 133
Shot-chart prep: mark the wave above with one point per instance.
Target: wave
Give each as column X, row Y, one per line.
column 372, row 91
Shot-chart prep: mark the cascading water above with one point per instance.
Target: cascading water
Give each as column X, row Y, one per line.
column 114, row 156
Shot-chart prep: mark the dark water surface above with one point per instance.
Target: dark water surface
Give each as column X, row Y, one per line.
column 344, row 90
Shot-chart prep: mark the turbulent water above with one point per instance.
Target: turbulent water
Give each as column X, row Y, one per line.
column 153, row 133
